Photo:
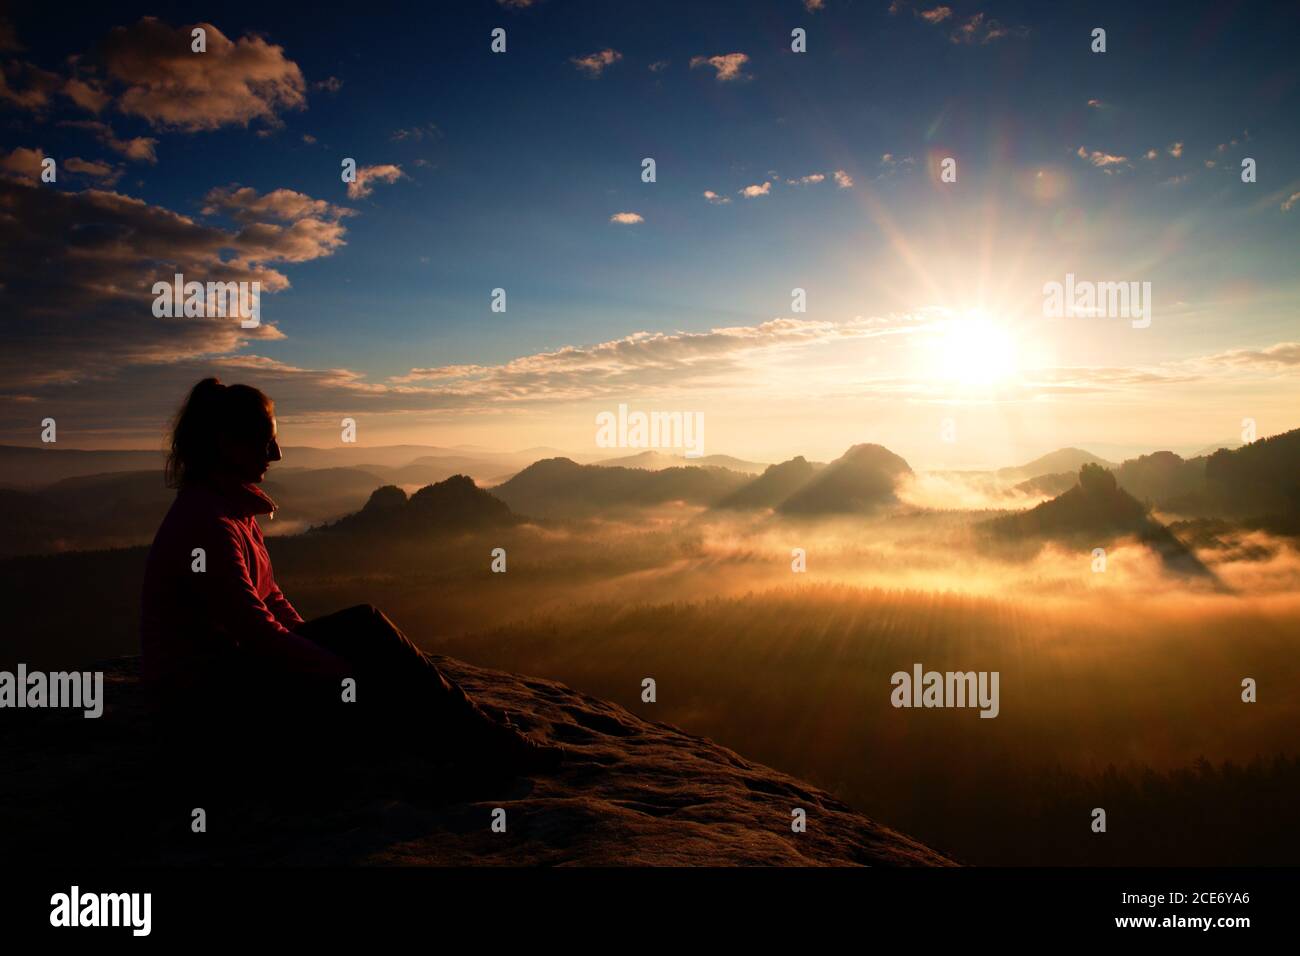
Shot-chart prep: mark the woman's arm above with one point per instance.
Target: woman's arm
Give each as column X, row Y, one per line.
column 284, row 612
column 233, row 605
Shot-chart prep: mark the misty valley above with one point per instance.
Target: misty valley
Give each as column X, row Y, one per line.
column 1115, row 686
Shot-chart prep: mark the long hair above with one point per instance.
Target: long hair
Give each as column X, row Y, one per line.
column 211, row 411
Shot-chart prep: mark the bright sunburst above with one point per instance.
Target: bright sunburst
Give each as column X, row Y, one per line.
column 974, row 350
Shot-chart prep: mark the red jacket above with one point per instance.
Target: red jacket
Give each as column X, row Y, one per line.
column 195, row 622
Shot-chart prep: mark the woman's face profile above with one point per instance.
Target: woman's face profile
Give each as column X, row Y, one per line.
column 248, row 457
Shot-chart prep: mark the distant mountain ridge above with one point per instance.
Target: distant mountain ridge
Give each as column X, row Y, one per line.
column 1055, row 462
column 773, row 486
column 657, row 461
column 456, row 504
column 860, row 481
column 560, row 487
column 1093, row 513
column 119, row 506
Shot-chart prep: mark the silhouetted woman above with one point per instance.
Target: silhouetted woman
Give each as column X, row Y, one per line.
column 223, row 646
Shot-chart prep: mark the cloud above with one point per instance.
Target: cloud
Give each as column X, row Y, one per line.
column 753, row 192
column 808, row 180
column 80, row 267
column 27, row 86
column 23, row 165
column 843, row 179
column 1289, row 203
column 517, row 4
column 642, row 360
column 140, row 149
column 88, row 96
column 658, row 66
column 729, row 66
column 331, row 84
column 309, row 139
column 626, row 218
column 812, row 6
column 232, row 84
column 366, row 175
column 8, row 37
column 593, row 64
column 102, row 171
column 976, row 29
column 138, row 399
column 1100, row 159
column 1281, row 355
column 1096, row 104
column 981, row 30
column 711, row 196
column 1175, row 150
column 890, row 165
column 416, row 133
column 244, row 204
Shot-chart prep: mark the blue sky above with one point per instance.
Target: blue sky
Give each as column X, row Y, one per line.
column 512, row 165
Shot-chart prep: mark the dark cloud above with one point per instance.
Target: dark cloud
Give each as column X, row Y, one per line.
column 80, row 266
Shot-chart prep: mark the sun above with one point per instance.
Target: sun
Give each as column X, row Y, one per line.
column 974, row 350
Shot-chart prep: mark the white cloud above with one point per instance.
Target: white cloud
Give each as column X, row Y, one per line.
column 711, row 196
column 843, row 179
column 1281, row 355
column 1100, row 159
column 753, row 192
column 627, row 218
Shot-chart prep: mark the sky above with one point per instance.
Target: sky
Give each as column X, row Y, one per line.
column 922, row 324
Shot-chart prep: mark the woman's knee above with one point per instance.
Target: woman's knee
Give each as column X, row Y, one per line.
column 362, row 612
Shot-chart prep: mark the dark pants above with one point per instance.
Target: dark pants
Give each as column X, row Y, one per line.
column 397, row 687
column 403, row 704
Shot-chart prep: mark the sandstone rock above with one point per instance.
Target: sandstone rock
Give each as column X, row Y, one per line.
column 632, row 793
